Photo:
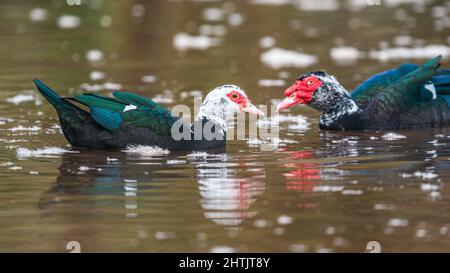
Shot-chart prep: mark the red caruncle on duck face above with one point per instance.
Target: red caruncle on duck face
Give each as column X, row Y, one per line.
column 300, row 92
column 244, row 103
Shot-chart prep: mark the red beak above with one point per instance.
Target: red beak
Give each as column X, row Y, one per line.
column 291, row 98
column 252, row 109
column 288, row 102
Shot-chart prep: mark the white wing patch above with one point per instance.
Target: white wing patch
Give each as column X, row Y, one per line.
column 430, row 87
column 129, row 107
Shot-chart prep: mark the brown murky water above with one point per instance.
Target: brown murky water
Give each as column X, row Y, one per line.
column 318, row 192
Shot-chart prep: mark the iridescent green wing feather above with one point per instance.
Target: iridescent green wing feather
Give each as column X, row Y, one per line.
column 405, row 92
column 127, row 107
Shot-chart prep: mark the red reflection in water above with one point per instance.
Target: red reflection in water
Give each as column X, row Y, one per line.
column 304, row 176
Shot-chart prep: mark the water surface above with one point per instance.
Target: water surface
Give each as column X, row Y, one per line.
column 319, row 191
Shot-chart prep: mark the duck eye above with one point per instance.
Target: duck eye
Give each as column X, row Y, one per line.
column 310, row 82
column 235, row 96
column 293, row 95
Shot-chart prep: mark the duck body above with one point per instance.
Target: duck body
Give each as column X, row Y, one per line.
column 408, row 97
column 129, row 119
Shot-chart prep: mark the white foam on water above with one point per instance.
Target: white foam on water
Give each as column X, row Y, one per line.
column 175, row 162
column 328, row 188
column 212, row 30
column 222, row 249
column 235, row 19
column 142, row 150
column 284, row 220
column 267, row 42
column 314, row 5
column 184, row 41
column 271, row 2
column 403, row 40
column 425, row 175
column 281, row 141
column 22, row 128
column 84, row 168
column 428, row 187
column 106, row 21
column 112, row 86
column 397, row 222
column 68, row 21
column 38, row 14
column 25, row 96
column 165, row 98
column 295, row 123
column 44, row 152
column 352, row 192
column 94, row 55
column 148, row 78
column 97, row 75
column 392, row 136
column 345, row 54
column 398, row 53
column 269, row 82
column 198, row 155
column 396, row 3
column 255, row 142
column 5, row 120
column 277, row 58
column 99, row 87
column 138, row 10
column 213, row 14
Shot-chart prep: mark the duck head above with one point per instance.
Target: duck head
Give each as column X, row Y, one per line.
column 228, row 100
column 225, row 101
column 316, row 89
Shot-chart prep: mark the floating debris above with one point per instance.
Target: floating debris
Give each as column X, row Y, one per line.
column 22, row 128
column 94, row 55
column 44, row 152
column 235, row 19
column 106, row 21
column 68, row 21
column 143, row 150
column 184, row 41
column 345, row 55
column 314, row 5
column 213, row 14
column 212, row 30
column 267, row 42
column 138, row 10
column 222, row 249
column 277, row 58
column 25, row 96
column 38, row 14
column 148, row 79
column 392, row 136
column 397, row 222
column 269, row 83
column 425, row 175
column 397, row 53
column 284, row 220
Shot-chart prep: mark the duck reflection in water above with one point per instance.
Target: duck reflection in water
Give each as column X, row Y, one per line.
column 118, row 180
column 305, row 175
column 226, row 195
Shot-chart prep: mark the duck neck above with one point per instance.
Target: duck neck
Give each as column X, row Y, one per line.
column 343, row 106
column 212, row 116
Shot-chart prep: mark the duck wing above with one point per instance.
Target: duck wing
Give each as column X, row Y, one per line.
column 376, row 84
column 111, row 113
column 409, row 91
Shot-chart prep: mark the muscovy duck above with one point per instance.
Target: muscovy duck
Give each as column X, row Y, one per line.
column 129, row 119
column 410, row 96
